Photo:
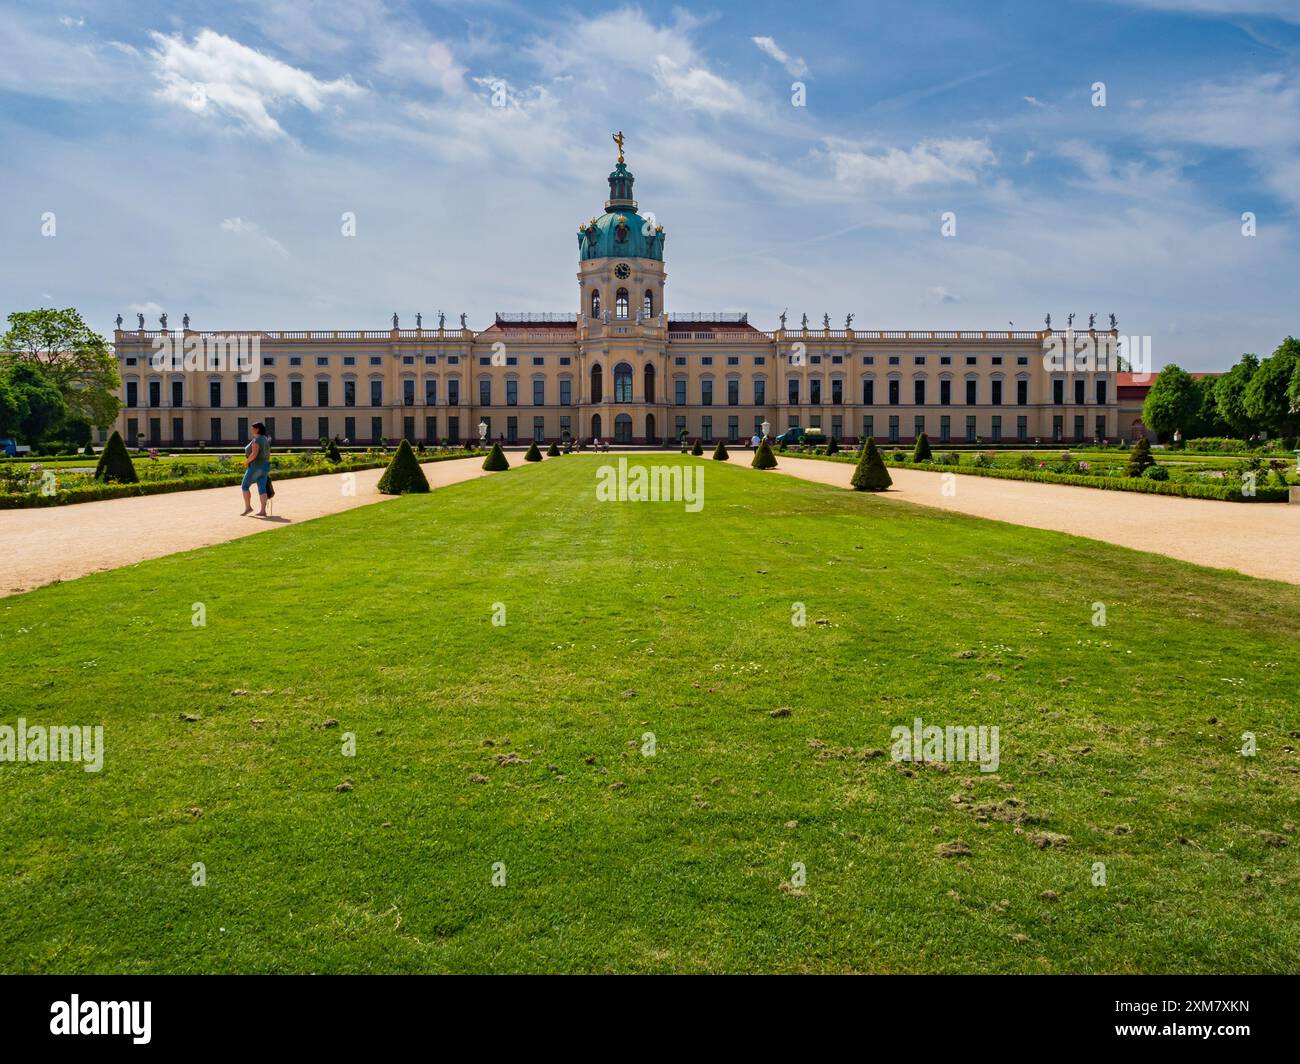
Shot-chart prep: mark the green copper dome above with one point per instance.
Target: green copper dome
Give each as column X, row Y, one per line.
column 620, row 232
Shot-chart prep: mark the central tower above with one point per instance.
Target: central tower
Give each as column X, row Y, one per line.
column 621, row 263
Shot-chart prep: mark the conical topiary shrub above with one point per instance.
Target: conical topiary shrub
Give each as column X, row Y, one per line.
column 698, row 449
column 533, row 454
column 403, row 475
column 115, row 466
column 332, row 452
column 763, row 457
column 720, row 452
column 1140, row 460
column 496, row 460
column 553, row 451
column 833, row 447
column 871, row 474
column 922, row 452
column 89, row 450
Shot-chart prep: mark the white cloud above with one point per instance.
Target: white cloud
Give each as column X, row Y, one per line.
column 794, row 65
column 698, row 88
column 421, row 59
column 941, row 295
column 1283, row 9
column 216, row 73
column 254, row 231
column 951, row 161
column 72, row 23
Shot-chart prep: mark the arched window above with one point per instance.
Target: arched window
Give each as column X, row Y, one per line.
column 595, row 302
column 620, row 303
column 622, row 383
column 649, row 428
column 649, row 382
column 595, row 425
column 648, row 304
column 597, row 382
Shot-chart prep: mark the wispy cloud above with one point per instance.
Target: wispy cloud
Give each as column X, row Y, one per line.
column 794, row 65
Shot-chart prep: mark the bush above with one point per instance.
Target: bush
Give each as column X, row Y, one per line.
column 698, row 449
column 533, row 454
column 1026, row 461
column 1155, row 472
column 332, row 452
column 833, row 447
column 1217, row 445
column 720, row 452
column 1140, row 460
column 495, row 462
column 871, row 474
column 403, row 475
column 899, row 456
column 763, row 457
column 922, row 452
column 89, row 450
column 115, row 466
column 553, row 451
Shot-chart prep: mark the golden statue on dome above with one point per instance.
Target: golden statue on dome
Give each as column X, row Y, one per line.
column 618, row 139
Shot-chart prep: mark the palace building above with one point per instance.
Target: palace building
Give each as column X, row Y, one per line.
column 620, row 368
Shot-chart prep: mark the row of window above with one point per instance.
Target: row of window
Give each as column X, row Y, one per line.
column 621, row 303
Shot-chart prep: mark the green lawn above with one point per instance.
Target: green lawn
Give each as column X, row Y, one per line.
column 623, row 619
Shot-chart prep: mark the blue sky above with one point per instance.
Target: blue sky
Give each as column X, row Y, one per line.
column 198, row 158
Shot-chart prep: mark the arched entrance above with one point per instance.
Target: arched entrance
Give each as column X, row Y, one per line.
column 595, row 425
column 649, row 382
column 650, row 436
column 597, row 383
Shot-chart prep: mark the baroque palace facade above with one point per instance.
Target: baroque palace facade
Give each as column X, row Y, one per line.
column 620, row 369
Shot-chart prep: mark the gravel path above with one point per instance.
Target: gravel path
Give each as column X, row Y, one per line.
column 63, row 542
column 1258, row 539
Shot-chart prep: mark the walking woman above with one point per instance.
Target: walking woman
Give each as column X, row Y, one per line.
column 257, row 462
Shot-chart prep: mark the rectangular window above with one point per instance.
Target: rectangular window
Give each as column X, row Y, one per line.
column 133, row 427
column 970, row 428
column 1101, row 393
column 350, row 429
column 155, row 431
column 972, row 392
column 133, row 393
column 995, row 432
column 322, row 360
column 1022, row 393
column 793, row 393
column 566, row 392
column 349, row 360
column 760, row 392
column 945, row 429
column 1022, row 428
column 268, row 393
column 918, row 426
column 453, row 430
column 484, row 392
column 837, row 392
column 996, row 397
column 945, row 392
column 707, row 431
column 430, row 391
column 539, row 429
column 408, row 392
column 512, row 429
column 1080, row 386
column 681, row 425
column 837, row 426
column 241, row 428
column 566, row 426
column 512, row 392
column 214, row 430
column 453, row 393
column 815, row 397
column 1101, row 427
column 893, row 428
column 868, row 392
column 349, row 393
column 376, row 429
column 214, row 393
column 295, row 393
column 918, row 393
column 1058, row 427
column 539, row 392
column 706, row 392
column 322, row 393
column 431, row 430
column 733, row 392
column 1058, row 392
column 868, row 426
column 295, row 429
column 376, row 393
column 679, row 391
column 178, row 393
column 322, row 428
column 1078, row 428
column 893, row 393
column 733, row 429
column 241, row 395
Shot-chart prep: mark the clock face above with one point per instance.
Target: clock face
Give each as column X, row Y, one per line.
column 622, row 270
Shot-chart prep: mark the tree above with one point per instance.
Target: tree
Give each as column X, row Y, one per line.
column 43, row 410
column 115, row 465
column 403, row 475
column 496, row 460
column 533, row 454
column 763, row 457
column 1208, row 421
column 1139, row 459
column 720, row 452
column 833, row 446
column 1268, row 395
column 1172, row 403
column 871, row 474
column 1230, row 394
column 13, row 408
column 73, row 356
column 922, row 452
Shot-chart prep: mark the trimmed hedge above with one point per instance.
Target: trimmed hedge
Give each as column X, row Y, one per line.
column 1222, row 493
column 100, row 492
column 871, row 474
column 553, row 451
column 763, row 457
column 698, row 449
column 533, row 454
column 404, row 475
column 1140, row 460
column 922, row 452
column 495, row 462
column 115, row 465
column 720, row 452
